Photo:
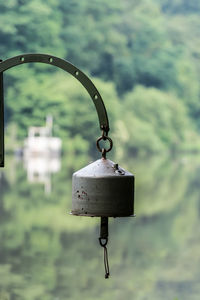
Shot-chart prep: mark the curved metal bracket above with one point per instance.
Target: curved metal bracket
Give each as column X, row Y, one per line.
column 62, row 64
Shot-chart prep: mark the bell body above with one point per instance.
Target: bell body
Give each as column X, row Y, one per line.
column 103, row 189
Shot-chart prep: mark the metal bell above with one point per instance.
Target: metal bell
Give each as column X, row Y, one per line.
column 103, row 189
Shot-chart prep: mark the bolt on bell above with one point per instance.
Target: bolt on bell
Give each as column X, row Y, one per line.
column 103, row 189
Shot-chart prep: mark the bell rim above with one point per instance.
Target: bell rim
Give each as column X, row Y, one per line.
column 99, row 216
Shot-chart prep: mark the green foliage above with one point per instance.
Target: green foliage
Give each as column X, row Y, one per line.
column 29, row 26
column 63, row 97
column 122, row 45
column 184, row 34
column 158, row 120
column 180, row 6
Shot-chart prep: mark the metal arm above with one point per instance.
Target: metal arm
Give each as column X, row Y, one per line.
column 62, row 64
column 1, row 121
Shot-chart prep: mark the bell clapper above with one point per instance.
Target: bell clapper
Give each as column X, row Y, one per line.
column 103, row 240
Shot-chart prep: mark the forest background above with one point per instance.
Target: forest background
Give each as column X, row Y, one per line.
column 143, row 57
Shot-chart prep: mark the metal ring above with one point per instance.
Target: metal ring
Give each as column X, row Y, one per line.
column 103, row 241
column 104, row 138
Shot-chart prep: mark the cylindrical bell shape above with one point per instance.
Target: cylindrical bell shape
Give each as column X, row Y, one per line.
column 103, row 189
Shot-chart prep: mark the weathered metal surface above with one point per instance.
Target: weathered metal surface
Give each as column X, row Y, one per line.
column 1, row 121
column 103, row 189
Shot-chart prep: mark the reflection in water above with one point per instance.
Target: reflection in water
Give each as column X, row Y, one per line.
column 40, row 168
column 42, row 154
column 47, row 254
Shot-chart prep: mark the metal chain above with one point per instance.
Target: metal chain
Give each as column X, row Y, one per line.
column 104, row 137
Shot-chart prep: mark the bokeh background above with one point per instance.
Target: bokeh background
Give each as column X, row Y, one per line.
column 144, row 58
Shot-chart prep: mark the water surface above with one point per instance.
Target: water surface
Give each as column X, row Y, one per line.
column 47, row 254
